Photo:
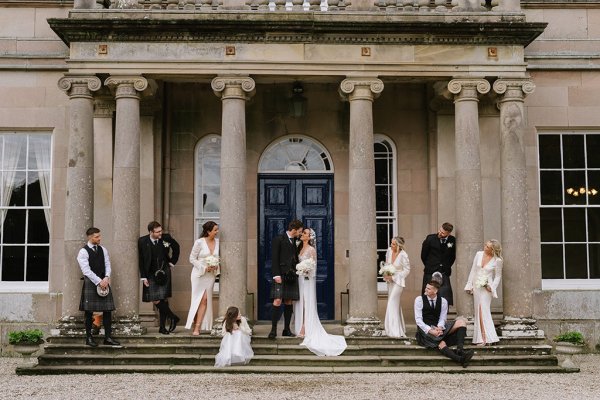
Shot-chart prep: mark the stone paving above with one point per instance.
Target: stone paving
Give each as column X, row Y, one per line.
column 584, row 385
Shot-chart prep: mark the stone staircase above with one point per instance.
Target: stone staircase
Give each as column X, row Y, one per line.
column 182, row 353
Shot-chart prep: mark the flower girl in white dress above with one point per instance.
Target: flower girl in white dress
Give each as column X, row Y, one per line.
column 306, row 320
column 235, row 345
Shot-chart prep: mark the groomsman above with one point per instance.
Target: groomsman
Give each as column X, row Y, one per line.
column 158, row 253
column 95, row 265
column 438, row 254
column 284, row 287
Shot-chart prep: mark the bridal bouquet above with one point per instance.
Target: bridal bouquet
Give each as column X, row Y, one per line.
column 482, row 281
column 213, row 261
column 386, row 269
column 306, row 268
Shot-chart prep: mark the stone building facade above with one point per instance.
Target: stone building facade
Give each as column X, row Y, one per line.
column 368, row 119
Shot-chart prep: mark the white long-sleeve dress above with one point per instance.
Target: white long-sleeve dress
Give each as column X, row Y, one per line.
column 482, row 299
column 394, row 320
column 202, row 282
column 235, row 346
column 316, row 339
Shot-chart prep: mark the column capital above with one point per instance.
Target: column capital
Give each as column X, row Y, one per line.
column 361, row 88
column 79, row 85
column 104, row 107
column 126, row 86
column 468, row 87
column 513, row 89
column 233, row 87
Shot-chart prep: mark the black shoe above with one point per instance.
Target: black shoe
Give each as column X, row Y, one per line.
column 111, row 342
column 287, row 332
column 164, row 331
column 174, row 322
column 272, row 335
column 89, row 341
column 466, row 357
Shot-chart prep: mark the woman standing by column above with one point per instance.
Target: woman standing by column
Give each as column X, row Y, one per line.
column 396, row 256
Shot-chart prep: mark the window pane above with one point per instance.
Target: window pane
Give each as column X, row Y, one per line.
column 574, row 224
column 382, row 198
column 39, row 152
column 37, row 263
column 34, row 193
column 576, row 261
column 14, row 188
column 381, row 171
column 593, row 149
column 552, row 261
column 549, row 151
column 210, row 199
column 551, row 224
column 573, row 154
column 15, row 152
column 575, row 192
column 551, row 187
column 382, row 236
column 594, row 186
column 594, row 261
column 593, row 215
column 14, row 227
column 13, row 262
column 38, row 228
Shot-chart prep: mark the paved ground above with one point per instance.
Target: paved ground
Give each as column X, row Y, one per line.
column 584, row 385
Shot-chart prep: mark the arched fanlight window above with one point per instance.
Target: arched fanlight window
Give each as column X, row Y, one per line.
column 207, row 181
column 296, row 154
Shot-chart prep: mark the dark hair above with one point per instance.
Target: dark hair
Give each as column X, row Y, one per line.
column 231, row 318
column 208, row 227
column 153, row 225
column 435, row 284
column 295, row 224
column 92, row 231
column 447, row 226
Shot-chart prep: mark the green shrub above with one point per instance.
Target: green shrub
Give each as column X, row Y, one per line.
column 570, row 337
column 29, row 336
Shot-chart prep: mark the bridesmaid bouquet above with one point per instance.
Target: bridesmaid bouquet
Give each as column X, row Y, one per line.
column 213, row 261
column 386, row 269
column 482, row 281
column 306, row 268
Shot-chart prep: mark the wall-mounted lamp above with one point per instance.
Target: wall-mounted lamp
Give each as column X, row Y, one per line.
column 298, row 101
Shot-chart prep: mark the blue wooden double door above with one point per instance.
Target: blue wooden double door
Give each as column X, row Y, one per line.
column 308, row 198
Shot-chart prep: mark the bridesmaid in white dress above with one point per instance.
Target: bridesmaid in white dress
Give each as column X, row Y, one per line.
column 484, row 279
column 235, row 345
column 306, row 317
column 395, row 255
column 203, row 279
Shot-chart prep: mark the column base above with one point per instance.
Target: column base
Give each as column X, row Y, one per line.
column 514, row 327
column 363, row 327
column 217, row 326
column 75, row 326
column 128, row 326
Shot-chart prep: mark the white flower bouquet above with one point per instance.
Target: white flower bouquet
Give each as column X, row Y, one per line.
column 306, row 268
column 481, row 281
column 386, row 269
column 213, row 261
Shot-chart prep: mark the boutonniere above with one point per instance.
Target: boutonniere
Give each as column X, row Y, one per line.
column 166, row 244
column 450, row 245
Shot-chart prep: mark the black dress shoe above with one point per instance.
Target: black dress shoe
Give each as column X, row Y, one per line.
column 272, row 335
column 287, row 332
column 174, row 322
column 89, row 341
column 164, row 331
column 466, row 357
column 111, row 342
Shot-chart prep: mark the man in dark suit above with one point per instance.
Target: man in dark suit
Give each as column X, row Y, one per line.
column 438, row 254
column 283, row 270
column 158, row 251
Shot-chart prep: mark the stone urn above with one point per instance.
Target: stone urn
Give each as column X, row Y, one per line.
column 567, row 349
column 26, row 350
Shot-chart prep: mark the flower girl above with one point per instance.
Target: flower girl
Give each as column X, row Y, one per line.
column 235, row 346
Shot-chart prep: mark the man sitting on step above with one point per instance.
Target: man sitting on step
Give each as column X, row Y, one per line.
column 431, row 312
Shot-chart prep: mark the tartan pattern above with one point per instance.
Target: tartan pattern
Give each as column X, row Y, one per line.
column 156, row 292
column 285, row 290
column 90, row 301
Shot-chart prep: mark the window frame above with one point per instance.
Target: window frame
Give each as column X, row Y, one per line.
column 200, row 217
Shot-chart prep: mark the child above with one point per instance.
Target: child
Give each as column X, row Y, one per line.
column 235, row 346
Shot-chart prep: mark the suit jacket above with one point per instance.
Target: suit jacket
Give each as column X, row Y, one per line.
column 438, row 257
column 168, row 253
column 284, row 255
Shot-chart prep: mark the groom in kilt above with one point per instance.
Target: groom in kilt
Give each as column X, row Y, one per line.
column 95, row 265
column 284, row 287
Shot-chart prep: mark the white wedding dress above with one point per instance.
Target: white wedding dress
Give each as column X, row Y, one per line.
column 316, row 339
column 482, row 299
column 394, row 320
column 202, row 282
column 235, row 346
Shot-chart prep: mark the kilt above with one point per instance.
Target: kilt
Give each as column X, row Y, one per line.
column 155, row 291
column 285, row 290
column 90, row 301
column 432, row 342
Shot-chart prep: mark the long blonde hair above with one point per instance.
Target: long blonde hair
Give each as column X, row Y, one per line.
column 399, row 242
column 496, row 248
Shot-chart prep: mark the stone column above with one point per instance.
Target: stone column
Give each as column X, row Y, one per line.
column 363, row 319
column 79, row 203
column 104, row 108
column 233, row 288
column 468, row 198
column 126, row 197
column 516, row 275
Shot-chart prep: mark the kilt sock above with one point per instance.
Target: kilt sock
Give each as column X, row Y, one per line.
column 287, row 316
column 107, row 321
column 275, row 315
column 88, row 323
column 460, row 338
column 162, row 312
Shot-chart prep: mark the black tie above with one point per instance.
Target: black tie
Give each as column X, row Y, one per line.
column 95, row 249
column 154, row 242
column 432, row 304
column 444, row 241
column 292, row 241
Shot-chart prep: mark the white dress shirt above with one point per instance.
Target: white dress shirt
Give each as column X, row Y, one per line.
column 83, row 258
column 419, row 313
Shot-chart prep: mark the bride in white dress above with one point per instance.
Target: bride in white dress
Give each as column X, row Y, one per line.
column 394, row 320
column 484, row 279
column 306, row 317
column 203, row 279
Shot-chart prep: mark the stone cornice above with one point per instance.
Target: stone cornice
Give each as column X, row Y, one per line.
column 252, row 27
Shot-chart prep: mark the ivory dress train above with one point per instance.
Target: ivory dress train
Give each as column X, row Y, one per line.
column 394, row 320
column 482, row 299
column 316, row 339
column 202, row 282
